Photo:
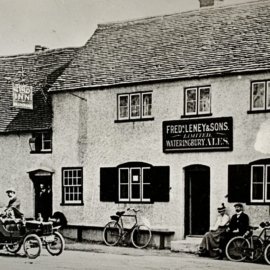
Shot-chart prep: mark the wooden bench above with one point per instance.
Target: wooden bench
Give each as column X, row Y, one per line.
column 162, row 233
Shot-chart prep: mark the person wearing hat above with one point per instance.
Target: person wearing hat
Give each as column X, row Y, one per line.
column 211, row 240
column 13, row 207
column 240, row 221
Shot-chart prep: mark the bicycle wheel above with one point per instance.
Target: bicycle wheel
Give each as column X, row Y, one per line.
column 56, row 246
column 236, row 249
column 257, row 248
column 267, row 254
column 141, row 236
column 112, row 233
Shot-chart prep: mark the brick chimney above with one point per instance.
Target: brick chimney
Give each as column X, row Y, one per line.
column 39, row 48
column 209, row 3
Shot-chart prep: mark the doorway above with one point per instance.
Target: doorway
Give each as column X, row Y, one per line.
column 42, row 182
column 197, row 199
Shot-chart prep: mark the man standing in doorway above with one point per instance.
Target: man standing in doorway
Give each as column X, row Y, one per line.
column 43, row 207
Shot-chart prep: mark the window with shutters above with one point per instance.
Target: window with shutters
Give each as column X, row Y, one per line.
column 136, row 182
column 260, row 183
column 72, row 186
column 249, row 183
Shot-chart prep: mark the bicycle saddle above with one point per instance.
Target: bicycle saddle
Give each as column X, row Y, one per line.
column 120, row 213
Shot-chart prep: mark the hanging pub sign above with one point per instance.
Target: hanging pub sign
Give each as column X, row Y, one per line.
column 22, row 96
column 215, row 134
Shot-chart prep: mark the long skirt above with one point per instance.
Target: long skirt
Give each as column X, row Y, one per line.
column 211, row 240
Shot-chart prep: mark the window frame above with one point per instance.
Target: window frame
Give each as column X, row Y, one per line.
column 63, row 186
column 130, row 106
column 142, row 105
column 39, row 136
column 141, row 181
column 266, row 107
column 197, row 111
column 129, row 117
column 263, row 108
column 264, row 183
column 252, row 183
column 119, row 107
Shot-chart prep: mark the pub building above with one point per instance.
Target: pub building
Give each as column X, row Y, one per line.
column 167, row 114
column 26, row 124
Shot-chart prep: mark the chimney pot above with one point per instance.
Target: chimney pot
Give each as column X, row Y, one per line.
column 209, row 3
column 39, row 48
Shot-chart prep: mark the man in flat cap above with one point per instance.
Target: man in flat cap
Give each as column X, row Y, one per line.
column 13, row 207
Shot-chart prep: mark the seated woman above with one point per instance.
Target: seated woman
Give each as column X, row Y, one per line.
column 211, row 240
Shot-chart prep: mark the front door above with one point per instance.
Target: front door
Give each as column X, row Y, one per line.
column 197, row 199
column 43, row 196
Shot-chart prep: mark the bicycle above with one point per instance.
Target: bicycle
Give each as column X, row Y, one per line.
column 267, row 248
column 114, row 231
column 248, row 246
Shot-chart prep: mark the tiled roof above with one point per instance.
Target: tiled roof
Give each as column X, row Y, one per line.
column 204, row 42
column 41, row 69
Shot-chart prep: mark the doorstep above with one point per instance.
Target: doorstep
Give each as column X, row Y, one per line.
column 189, row 245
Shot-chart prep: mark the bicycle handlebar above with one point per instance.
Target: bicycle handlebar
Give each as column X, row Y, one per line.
column 133, row 209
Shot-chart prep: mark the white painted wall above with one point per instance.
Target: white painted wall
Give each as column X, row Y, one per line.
column 85, row 134
column 15, row 162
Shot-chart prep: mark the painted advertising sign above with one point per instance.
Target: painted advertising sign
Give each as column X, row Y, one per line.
column 212, row 134
column 22, row 96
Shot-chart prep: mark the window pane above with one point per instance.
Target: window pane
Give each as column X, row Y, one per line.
column 268, row 182
column 257, row 191
column 123, row 191
column 257, row 182
column 147, row 104
column 135, row 191
column 146, row 176
column 268, row 95
column 258, row 95
column 135, row 105
column 204, row 100
column 257, row 174
column 191, row 100
column 123, row 107
column 135, row 175
column 123, row 175
column 146, row 191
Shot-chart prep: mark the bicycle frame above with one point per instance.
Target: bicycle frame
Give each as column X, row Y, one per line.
column 262, row 237
column 125, row 231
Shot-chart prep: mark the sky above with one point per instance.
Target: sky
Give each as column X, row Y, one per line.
column 70, row 23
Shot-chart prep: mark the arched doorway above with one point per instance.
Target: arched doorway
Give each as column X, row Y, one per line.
column 197, row 199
